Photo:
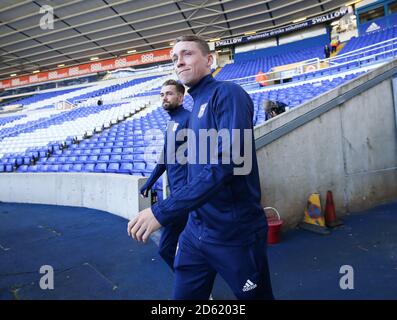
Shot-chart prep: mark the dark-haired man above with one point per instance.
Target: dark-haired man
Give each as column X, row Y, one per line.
column 171, row 94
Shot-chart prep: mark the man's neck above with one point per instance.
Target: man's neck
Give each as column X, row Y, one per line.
column 192, row 85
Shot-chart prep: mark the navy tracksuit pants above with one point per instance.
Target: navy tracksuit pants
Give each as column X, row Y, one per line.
column 169, row 240
column 244, row 268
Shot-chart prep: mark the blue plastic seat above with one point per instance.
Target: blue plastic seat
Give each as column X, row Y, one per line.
column 104, row 158
column 92, row 159
column 61, row 160
column 86, row 152
column 42, row 167
column 150, row 166
column 113, row 167
column 66, row 167
column 53, row 168
column 126, row 168
column 127, row 158
column 89, row 167
column 76, row 152
column 128, row 150
column 42, row 161
column 33, row 168
column 82, row 159
column 139, row 143
column 100, row 167
column 115, row 157
column 70, row 159
column 139, row 157
column 139, row 165
column 140, row 149
column 57, row 152
column 22, row 168
column 77, row 167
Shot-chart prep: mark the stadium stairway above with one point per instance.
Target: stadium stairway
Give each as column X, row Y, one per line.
column 338, row 49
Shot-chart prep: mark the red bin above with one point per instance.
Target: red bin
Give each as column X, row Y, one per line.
column 274, row 223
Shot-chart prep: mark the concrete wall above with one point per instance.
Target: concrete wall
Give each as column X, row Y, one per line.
column 351, row 150
column 114, row 193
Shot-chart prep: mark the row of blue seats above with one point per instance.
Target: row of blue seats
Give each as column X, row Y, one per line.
column 328, row 72
column 296, row 95
column 36, row 97
column 369, row 39
column 109, row 89
column 57, row 119
column 140, row 157
column 114, row 167
column 253, row 66
column 130, row 135
column 121, row 140
column 34, row 152
column 106, row 150
column 10, row 119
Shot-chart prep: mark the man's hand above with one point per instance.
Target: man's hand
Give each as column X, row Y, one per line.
column 145, row 193
column 143, row 225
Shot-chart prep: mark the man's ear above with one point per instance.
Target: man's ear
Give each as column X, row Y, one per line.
column 210, row 60
column 180, row 97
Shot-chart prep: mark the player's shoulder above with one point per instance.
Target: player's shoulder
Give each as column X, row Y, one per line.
column 229, row 88
column 185, row 112
column 185, row 116
column 229, row 85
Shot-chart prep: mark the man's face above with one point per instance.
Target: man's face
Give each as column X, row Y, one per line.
column 268, row 106
column 190, row 63
column 170, row 98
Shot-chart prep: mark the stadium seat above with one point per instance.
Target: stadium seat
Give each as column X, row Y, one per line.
column 89, row 167
column 100, row 167
column 126, row 168
column 113, row 167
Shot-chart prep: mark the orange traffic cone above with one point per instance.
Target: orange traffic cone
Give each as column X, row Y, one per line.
column 313, row 219
column 330, row 215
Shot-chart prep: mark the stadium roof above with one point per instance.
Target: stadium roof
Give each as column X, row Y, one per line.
column 83, row 29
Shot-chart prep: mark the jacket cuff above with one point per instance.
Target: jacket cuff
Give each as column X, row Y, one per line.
column 156, row 209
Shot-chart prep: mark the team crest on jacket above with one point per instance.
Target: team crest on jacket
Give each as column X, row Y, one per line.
column 202, row 110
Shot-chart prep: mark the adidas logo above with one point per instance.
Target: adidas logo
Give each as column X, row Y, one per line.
column 373, row 27
column 249, row 285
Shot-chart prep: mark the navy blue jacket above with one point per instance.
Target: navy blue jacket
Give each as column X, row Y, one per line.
column 224, row 208
column 176, row 173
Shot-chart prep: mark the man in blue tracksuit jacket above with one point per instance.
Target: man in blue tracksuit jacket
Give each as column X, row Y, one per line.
column 227, row 230
column 172, row 93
